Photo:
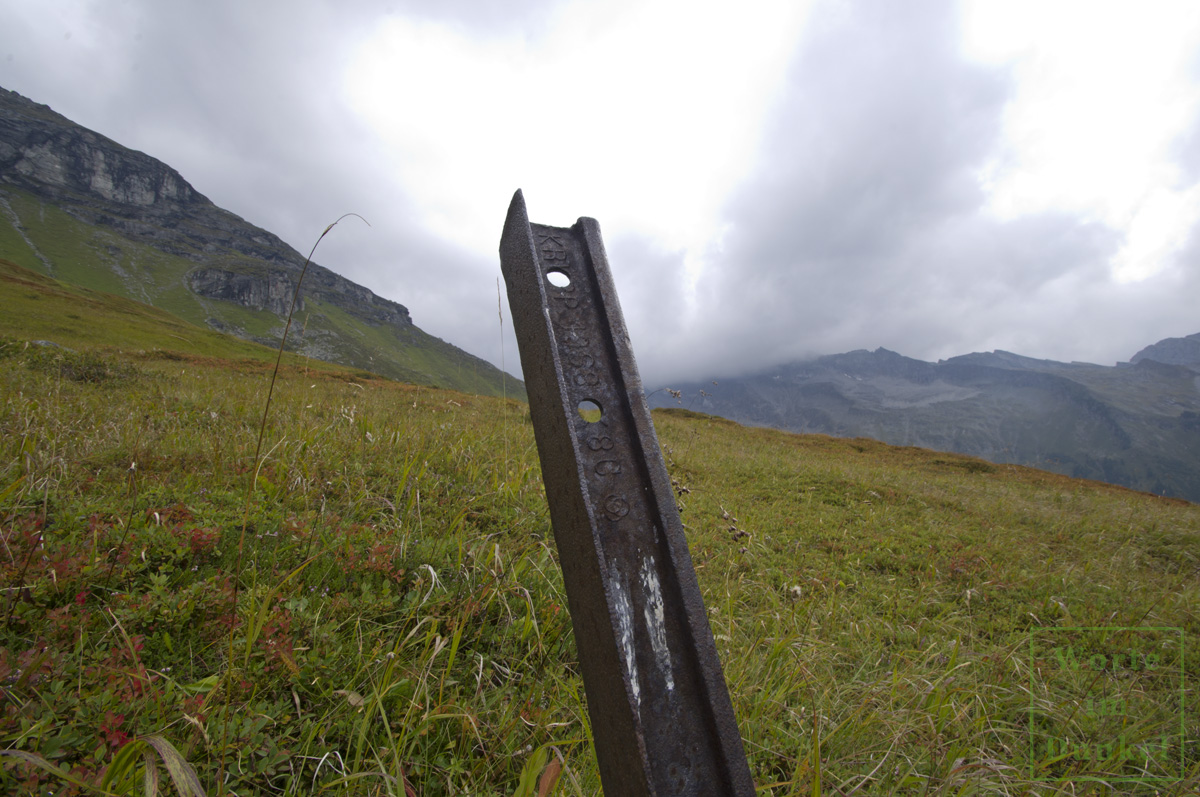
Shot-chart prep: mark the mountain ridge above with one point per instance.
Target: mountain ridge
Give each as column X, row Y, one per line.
column 1172, row 351
column 1136, row 424
column 135, row 227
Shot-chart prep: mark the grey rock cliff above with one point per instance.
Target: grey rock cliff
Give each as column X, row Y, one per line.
column 46, row 153
column 272, row 292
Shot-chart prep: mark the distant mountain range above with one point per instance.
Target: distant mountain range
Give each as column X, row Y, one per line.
column 80, row 207
column 1135, row 424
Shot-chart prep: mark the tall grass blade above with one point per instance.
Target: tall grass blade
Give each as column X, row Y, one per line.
column 262, row 431
column 181, row 772
column 150, row 778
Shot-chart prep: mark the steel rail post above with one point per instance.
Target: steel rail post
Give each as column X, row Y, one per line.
column 662, row 721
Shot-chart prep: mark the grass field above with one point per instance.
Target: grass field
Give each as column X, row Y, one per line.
column 377, row 607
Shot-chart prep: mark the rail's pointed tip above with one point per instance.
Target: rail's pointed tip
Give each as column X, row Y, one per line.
column 517, row 221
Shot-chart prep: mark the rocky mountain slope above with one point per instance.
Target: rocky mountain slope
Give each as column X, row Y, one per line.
column 1136, row 424
column 1173, row 351
column 82, row 208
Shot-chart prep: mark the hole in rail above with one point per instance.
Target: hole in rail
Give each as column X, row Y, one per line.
column 558, row 279
column 589, row 410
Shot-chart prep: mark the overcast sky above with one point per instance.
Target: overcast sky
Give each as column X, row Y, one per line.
column 779, row 181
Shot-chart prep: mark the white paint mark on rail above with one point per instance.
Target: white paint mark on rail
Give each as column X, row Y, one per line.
column 656, row 622
column 625, row 630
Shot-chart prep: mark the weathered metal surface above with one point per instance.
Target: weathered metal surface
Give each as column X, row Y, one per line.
column 661, row 717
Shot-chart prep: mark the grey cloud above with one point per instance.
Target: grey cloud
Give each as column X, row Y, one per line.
column 480, row 17
column 865, row 223
column 880, row 135
column 1187, row 146
column 875, row 146
column 239, row 97
column 651, row 282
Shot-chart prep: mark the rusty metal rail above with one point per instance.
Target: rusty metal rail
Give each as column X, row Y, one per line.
column 662, row 721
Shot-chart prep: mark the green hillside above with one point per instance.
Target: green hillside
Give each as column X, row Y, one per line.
column 41, row 237
column 39, row 308
column 381, row 610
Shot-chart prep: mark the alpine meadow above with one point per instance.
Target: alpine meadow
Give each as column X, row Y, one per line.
column 264, row 535
column 890, row 304
column 373, row 604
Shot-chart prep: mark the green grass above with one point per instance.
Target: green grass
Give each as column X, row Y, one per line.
column 399, row 618
column 15, row 248
column 81, row 254
column 900, row 587
column 37, row 307
column 423, row 639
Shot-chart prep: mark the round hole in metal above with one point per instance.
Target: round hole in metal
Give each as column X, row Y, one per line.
column 590, row 411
